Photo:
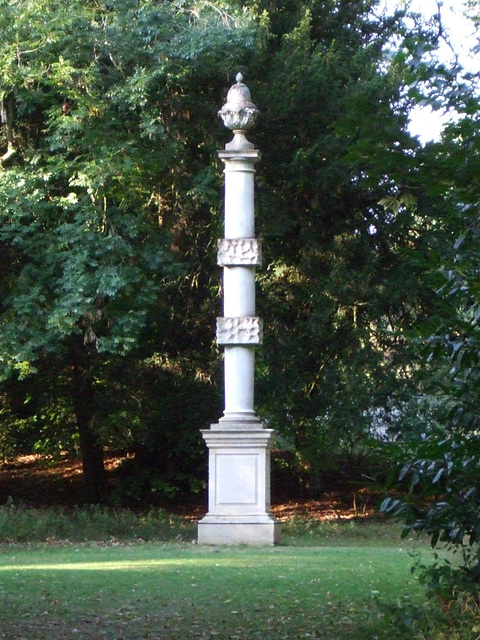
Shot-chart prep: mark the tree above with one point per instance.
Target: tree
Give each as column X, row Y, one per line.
column 441, row 468
column 343, row 277
column 111, row 189
column 103, row 178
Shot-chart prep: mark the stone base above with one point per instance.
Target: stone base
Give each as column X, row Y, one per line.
column 215, row 530
column 239, row 487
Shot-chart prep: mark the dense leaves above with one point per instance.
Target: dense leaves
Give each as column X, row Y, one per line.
column 341, row 285
column 103, row 183
column 110, row 193
column 442, row 469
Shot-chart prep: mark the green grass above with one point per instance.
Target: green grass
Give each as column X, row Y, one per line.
column 92, row 574
column 20, row 524
column 176, row 591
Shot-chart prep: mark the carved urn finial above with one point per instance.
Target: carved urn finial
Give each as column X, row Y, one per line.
column 239, row 113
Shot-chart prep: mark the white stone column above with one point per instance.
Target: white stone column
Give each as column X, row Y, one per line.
column 239, row 331
column 239, row 446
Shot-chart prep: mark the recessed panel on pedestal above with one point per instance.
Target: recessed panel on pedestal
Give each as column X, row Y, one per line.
column 236, row 479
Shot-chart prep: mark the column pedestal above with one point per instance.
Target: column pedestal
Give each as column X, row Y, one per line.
column 239, row 487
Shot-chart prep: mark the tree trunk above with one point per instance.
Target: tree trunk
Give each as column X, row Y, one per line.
column 7, row 108
column 91, row 449
column 92, row 462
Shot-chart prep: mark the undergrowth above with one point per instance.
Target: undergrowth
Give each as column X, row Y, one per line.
column 304, row 531
column 20, row 524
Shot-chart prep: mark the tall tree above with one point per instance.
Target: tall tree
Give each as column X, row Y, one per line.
column 441, row 467
column 344, row 272
column 105, row 151
column 110, row 187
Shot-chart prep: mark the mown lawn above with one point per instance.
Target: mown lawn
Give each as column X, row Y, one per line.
column 178, row 591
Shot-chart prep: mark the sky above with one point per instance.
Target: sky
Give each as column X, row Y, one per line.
column 425, row 123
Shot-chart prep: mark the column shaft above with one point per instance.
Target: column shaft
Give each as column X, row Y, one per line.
column 239, row 286
column 239, row 196
column 238, row 291
column 239, row 367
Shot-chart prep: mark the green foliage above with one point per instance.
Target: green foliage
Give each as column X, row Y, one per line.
column 442, row 468
column 97, row 131
column 345, row 273
column 107, row 198
column 446, row 469
column 23, row 525
column 110, row 215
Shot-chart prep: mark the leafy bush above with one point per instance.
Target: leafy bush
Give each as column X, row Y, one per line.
column 442, row 470
column 444, row 502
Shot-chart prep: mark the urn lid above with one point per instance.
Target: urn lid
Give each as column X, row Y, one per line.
column 239, row 94
column 239, row 112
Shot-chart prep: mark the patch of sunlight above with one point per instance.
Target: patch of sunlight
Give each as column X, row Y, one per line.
column 122, row 565
column 214, row 560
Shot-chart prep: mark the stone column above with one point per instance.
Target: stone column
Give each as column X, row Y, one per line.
column 239, row 446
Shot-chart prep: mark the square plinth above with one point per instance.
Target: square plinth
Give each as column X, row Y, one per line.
column 216, row 532
column 239, row 487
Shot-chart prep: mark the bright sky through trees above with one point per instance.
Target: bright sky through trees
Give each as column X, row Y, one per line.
column 459, row 41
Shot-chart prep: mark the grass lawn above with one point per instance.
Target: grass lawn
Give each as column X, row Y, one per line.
column 322, row 584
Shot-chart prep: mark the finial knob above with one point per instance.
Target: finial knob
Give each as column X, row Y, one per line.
column 239, row 113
